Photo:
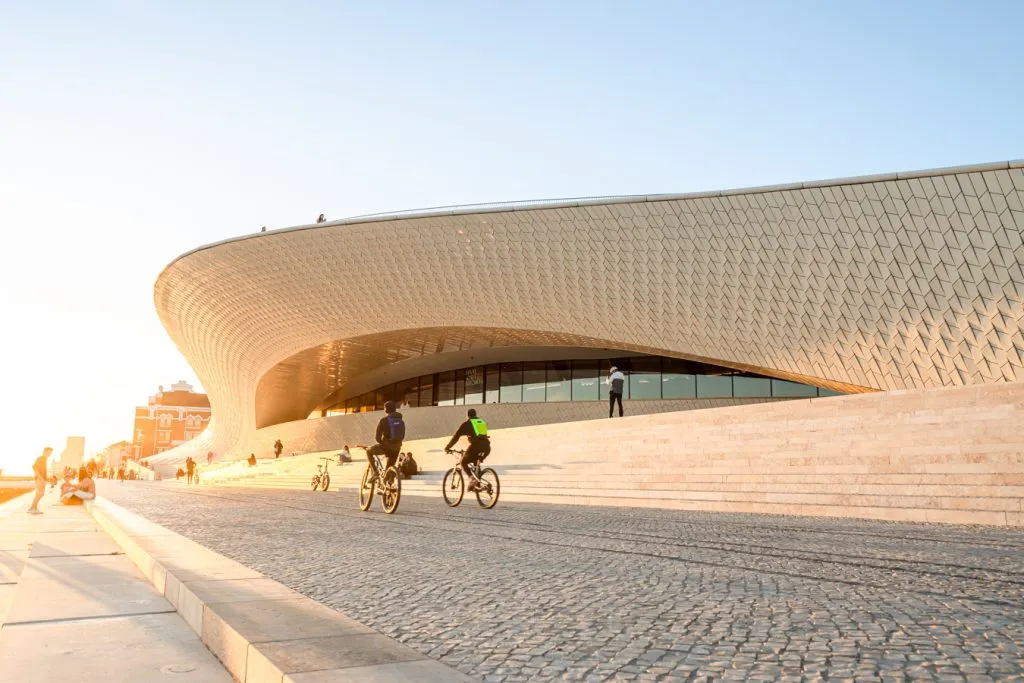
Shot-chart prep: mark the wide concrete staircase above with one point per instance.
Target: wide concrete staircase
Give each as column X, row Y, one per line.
column 936, row 455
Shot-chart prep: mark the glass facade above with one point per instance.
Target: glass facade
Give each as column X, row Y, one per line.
column 647, row 377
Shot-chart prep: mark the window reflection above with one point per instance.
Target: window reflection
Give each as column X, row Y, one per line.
column 534, row 381
column 511, row 383
column 559, row 378
column 474, row 386
column 647, row 378
column 714, row 386
column 584, row 380
column 492, row 386
column 446, row 388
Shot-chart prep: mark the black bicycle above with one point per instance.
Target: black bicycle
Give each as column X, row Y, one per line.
column 387, row 484
column 322, row 478
column 487, row 488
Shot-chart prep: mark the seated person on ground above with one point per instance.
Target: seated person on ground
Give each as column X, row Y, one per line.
column 85, row 490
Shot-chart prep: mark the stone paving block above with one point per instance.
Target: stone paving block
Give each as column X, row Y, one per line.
column 74, row 543
column 229, row 628
column 240, row 590
column 83, row 586
column 269, row 662
column 7, row 591
column 422, row 671
column 16, row 541
column 11, row 564
column 130, row 649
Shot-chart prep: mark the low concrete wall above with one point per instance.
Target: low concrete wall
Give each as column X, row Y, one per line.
column 328, row 433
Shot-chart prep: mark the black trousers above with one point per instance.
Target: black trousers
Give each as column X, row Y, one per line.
column 612, row 398
column 379, row 449
column 478, row 450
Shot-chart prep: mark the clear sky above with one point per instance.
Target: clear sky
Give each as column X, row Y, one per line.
column 134, row 130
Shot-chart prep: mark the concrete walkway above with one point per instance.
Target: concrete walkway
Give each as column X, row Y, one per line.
column 73, row 607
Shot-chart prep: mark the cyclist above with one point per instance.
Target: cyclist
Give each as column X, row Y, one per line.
column 475, row 430
column 389, row 436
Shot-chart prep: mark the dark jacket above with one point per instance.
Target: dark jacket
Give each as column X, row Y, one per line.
column 383, row 435
column 466, row 429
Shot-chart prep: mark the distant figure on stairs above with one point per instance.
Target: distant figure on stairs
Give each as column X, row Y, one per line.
column 617, row 380
column 252, row 460
column 344, row 456
column 278, row 447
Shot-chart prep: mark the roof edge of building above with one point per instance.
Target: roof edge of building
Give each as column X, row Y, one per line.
column 542, row 204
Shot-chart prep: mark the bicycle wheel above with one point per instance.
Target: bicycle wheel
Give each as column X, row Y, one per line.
column 366, row 490
column 316, row 482
column 489, row 488
column 453, row 487
column 325, row 483
column 391, row 490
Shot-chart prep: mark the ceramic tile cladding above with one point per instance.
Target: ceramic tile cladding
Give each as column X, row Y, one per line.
column 892, row 282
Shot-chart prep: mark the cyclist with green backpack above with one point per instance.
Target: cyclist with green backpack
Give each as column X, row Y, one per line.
column 475, row 430
column 389, row 436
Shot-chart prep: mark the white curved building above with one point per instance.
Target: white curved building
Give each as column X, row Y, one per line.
column 907, row 280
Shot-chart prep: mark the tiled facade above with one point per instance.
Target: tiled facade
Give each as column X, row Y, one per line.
column 897, row 281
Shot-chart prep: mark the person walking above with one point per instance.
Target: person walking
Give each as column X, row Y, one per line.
column 278, row 447
column 617, row 380
column 190, row 468
column 39, row 470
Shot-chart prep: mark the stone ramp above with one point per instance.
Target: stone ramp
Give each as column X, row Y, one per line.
column 74, row 607
column 261, row 630
column 951, row 455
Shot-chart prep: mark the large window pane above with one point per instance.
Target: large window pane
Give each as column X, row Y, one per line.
column 828, row 392
column 559, row 381
column 534, row 381
column 407, row 393
column 426, row 390
column 645, row 378
column 511, row 383
column 385, row 394
column 460, row 387
column 584, row 380
column 714, row 386
column 751, row 387
column 782, row 388
column 677, row 381
column 493, row 385
column 368, row 402
column 475, row 386
column 446, row 388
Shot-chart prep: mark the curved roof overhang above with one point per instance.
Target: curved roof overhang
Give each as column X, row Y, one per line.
column 904, row 280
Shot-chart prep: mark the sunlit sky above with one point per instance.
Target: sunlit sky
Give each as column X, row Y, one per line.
column 134, row 130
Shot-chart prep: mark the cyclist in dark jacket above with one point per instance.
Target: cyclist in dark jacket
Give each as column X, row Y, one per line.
column 389, row 436
column 475, row 430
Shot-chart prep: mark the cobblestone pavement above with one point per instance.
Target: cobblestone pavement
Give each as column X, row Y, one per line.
column 542, row 592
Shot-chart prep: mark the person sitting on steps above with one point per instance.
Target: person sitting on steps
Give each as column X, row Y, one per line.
column 474, row 429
